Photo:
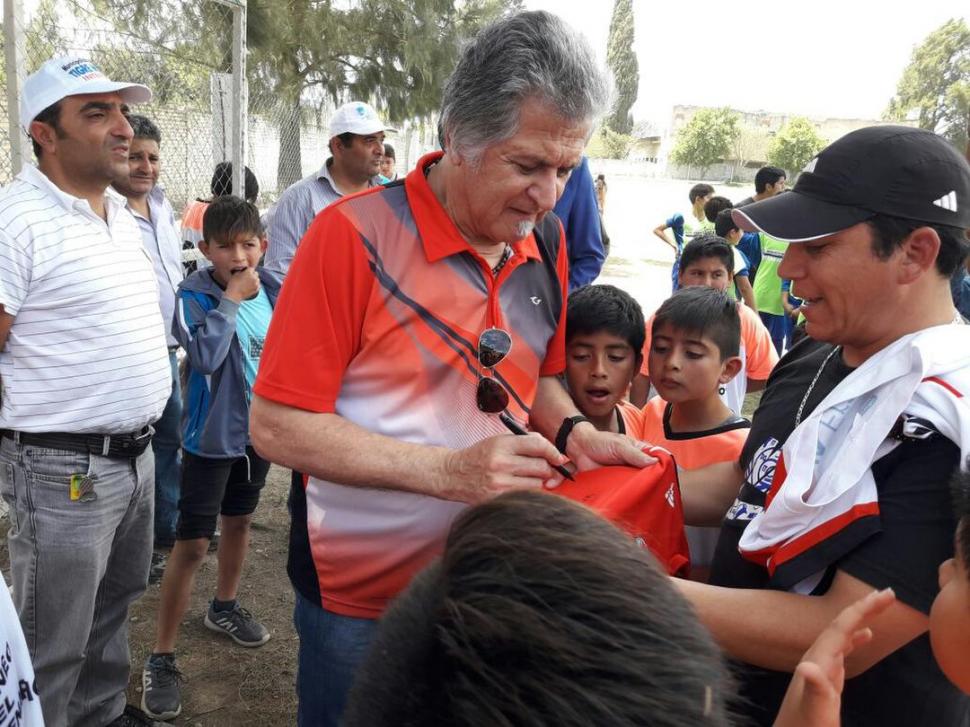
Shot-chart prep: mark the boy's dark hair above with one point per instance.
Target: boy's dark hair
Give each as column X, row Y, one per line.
column 705, row 312
column 52, row 117
column 145, row 128
column 961, row 509
column 766, row 176
column 605, row 308
column 715, row 205
column 228, row 216
column 221, row 184
column 540, row 613
column 724, row 223
column 708, row 245
column 389, row 151
column 889, row 232
column 699, row 190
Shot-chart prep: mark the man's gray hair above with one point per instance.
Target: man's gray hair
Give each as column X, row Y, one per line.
column 527, row 55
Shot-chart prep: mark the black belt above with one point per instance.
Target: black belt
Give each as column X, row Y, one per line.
column 119, row 446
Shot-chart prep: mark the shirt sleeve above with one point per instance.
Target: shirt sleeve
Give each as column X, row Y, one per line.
column 16, row 264
column 289, row 222
column 317, row 322
column 760, row 355
column 916, row 514
column 555, row 361
column 583, row 239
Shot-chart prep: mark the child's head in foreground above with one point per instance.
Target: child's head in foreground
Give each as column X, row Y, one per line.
column 950, row 615
column 694, row 344
column 540, row 613
column 233, row 237
column 706, row 260
column 604, row 348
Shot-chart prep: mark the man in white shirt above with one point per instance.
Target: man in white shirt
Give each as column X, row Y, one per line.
column 156, row 220
column 85, row 373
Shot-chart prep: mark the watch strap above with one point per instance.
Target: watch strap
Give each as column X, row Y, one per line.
column 566, row 429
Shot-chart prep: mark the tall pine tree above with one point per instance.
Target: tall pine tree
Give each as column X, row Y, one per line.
column 623, row 62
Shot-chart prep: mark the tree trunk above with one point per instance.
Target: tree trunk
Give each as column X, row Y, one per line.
column 289, row 168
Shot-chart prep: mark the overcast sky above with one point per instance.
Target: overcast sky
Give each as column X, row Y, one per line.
column 840, row 58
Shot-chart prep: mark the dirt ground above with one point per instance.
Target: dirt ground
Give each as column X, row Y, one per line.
column 228, row 685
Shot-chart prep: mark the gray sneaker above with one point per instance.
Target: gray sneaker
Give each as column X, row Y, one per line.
column 238, row 624
column 160, row 695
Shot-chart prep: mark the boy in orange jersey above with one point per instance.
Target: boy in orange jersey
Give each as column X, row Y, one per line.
column 708, row 260
column 695, row 341
column 604, row 350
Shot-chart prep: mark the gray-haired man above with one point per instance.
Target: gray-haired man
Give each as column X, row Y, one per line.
column 407, row 307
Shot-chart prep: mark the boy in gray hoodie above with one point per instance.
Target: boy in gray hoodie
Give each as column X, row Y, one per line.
column 222, row 314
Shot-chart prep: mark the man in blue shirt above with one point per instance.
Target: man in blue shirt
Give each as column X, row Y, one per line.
column 580, row 219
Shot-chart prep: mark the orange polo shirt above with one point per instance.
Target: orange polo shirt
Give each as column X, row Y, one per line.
column 379, row 322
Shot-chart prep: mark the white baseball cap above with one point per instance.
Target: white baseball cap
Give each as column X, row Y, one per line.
column 71, row 76
column 356, row 117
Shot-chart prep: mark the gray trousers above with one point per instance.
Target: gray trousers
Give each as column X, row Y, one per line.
column 76, row 566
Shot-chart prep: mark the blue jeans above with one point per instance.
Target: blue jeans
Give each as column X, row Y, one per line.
column 77, row 565
column 331, row 648
column 167, row 446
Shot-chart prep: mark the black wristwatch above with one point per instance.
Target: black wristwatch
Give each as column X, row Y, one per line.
column 566, row 429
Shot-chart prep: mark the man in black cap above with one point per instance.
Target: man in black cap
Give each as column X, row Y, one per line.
column 842, row 485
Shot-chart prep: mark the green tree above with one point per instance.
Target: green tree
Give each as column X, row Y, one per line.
column 607, row 144
column 706, row 139
column 623, row 62
column 794, row 146
column 395, row 53
column 936, row 84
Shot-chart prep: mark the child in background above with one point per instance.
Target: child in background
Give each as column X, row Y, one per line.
column 686, row 227
column 725, row 227
column 693, row 354
column 708, row 261
column 222, row 315
column 604, row 350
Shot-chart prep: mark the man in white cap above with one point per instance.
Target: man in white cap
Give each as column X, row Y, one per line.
column 357, row 149
column 85, row 373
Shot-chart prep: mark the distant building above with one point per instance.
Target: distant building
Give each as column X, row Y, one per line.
column 757, row 129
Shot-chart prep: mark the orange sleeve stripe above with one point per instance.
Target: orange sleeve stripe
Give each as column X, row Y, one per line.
column 318, row 319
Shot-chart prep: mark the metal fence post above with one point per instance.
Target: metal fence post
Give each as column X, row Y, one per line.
column 240, row 95
column 13, row 58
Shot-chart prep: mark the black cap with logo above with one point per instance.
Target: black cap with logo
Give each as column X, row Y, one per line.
column 891, row 170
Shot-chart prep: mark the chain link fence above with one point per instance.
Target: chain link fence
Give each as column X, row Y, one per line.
column 192, row 103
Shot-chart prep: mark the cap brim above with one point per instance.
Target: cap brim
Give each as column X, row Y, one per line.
column 794, row 217
column 131, row 93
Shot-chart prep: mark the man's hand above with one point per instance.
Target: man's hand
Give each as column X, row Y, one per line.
column 496, row 465
column 589, row 448
column 814, row 696
column 243, row 285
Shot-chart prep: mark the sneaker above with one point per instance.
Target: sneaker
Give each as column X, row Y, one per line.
column 157, row 569
column 238, row 624
column 134, row 717
column 160, row 696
